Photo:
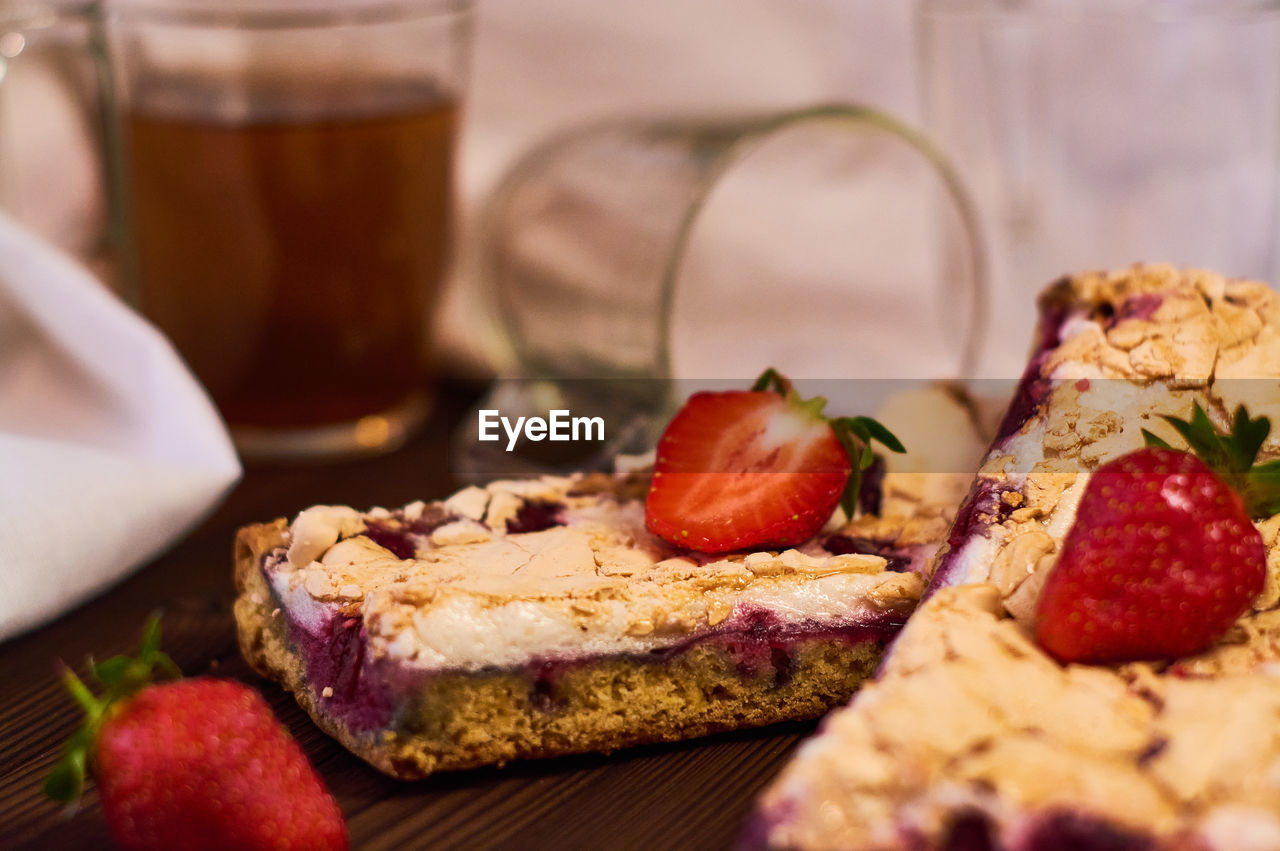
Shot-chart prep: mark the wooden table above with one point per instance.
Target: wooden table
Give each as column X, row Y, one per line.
column 693, row 794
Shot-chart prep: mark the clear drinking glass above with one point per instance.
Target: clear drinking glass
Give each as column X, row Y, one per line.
column 289, row 171
column 1098, row 133
column 618, row 257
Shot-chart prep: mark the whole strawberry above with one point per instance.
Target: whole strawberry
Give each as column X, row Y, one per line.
column 756, row 468
column 1163, row 557
column 197, row 763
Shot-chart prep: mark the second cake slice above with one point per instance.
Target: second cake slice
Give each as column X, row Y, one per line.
column 972, row 735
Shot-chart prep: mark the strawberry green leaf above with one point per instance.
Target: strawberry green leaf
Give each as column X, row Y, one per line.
column 851, row 428
column 65, row 783
column 167, row 665
column 1155, row 440
column 111, row 673
column 150, row 637
column 1268, row 471
column 91, row 705
column 126, row 675
column 810, row 407
column 1203, row 439
column 1262, row 494
column 1246, row 439
column 856, row 435
column 876, row 430
column 150, row 657
column 868, row 457
column 867, row 430
column 849, row 499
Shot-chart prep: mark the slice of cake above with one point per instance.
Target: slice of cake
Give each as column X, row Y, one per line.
column 972, row 735
column 540, row 617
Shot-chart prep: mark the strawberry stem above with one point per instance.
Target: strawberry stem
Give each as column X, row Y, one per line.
column 856, row 435
column 1232, row 456
column 121, row 677
column 773, row 380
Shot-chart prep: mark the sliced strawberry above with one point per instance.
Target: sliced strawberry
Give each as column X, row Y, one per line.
column 760, row 468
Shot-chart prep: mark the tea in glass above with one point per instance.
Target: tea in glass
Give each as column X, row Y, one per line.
column 291, row 218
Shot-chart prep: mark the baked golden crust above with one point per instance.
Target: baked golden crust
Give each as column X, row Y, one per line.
column 253, row 617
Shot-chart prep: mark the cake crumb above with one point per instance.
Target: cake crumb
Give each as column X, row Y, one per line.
column 640, row 627
column 718, row 611
column 328, row 692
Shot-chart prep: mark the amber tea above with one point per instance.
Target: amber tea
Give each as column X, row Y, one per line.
column 293, row 258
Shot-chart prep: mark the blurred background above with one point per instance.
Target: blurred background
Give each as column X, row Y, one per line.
column 1089, row 134
column 541, row 67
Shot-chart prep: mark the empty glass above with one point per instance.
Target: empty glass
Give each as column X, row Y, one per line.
column 628, row 254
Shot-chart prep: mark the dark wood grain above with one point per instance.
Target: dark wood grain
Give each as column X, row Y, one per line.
column 692, row 794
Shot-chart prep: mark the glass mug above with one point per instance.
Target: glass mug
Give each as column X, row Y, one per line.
column 613, row 255
column 289, row 172
column 277, row 186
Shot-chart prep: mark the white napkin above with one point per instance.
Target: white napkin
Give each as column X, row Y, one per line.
column 109, row 449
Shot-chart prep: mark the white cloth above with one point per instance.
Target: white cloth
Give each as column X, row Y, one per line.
column 109, row 449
